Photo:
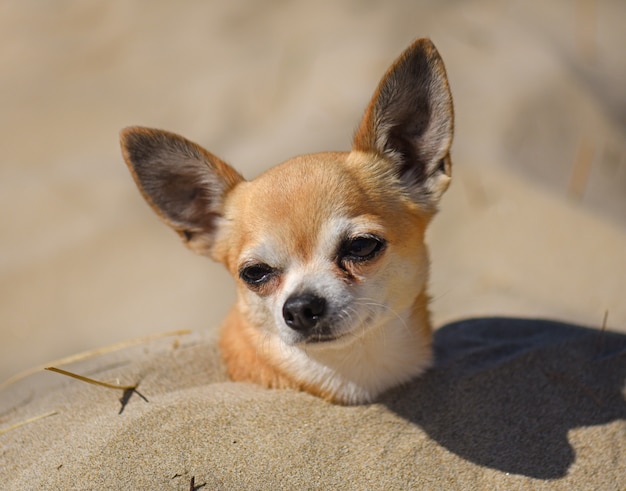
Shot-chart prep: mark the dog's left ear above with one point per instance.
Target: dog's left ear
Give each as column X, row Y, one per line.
column 410, row 122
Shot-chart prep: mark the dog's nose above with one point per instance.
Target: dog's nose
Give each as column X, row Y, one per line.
column 303, row 312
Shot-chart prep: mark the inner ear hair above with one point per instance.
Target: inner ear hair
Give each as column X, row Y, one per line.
column 410, row 122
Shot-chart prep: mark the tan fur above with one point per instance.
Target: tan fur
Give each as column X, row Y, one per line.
column 297, row 227
column 243, row 354
column 246, row 356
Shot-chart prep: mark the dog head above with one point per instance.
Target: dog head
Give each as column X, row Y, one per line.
column 324, row 247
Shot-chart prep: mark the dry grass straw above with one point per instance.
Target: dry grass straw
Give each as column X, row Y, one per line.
column 26, row 421
column 89, row 354
column 91, row 380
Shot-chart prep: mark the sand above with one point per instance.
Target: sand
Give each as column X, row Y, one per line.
column 510, row 404
column 533, row 227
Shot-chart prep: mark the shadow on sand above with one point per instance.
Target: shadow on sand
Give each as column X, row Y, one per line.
column 505, row 392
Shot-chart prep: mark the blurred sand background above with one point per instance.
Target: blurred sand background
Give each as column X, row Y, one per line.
column 533, row 226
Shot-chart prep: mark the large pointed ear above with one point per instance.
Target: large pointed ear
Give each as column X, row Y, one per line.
column 410, row 122
column 182, row 182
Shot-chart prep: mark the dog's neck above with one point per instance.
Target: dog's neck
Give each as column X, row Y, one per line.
column 386, row 355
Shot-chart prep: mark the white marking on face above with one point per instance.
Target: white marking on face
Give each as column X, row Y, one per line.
column 353, row 305
column 350, row 305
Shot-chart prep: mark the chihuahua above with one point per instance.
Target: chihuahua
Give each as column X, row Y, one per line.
column 327, row 250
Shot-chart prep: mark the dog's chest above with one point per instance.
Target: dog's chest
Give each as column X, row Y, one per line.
column 387, row 356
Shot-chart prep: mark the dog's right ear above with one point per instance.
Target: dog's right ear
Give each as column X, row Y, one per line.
column 182, row 182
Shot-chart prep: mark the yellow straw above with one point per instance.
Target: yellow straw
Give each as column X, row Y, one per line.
column 88, row 354
column 25, row 422
column 90, row 380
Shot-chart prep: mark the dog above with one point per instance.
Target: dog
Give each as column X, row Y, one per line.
column 327, row 250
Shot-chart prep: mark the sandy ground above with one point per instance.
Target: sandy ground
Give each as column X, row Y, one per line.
column 533, row 226
column 511, row 404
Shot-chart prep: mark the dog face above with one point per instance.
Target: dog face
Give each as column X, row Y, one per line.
column 323, row 249
column 327, row 249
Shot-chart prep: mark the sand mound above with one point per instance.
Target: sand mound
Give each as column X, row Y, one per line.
column 510, row 404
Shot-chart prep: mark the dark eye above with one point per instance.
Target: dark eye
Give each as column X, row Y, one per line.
column 256, row 274
column 361, row 248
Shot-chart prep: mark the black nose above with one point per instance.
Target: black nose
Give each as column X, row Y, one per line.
column 303, row 312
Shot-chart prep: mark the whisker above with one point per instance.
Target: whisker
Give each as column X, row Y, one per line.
column 372, row 302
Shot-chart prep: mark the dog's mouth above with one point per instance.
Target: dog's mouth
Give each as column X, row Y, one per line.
column 323, row 338
column 334, row 331
column 337, row 337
